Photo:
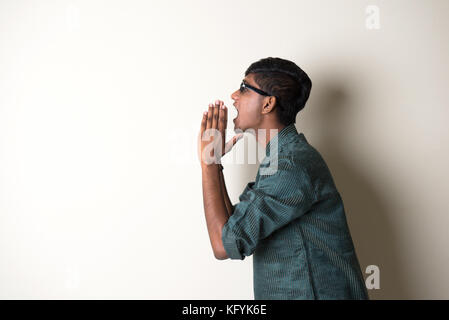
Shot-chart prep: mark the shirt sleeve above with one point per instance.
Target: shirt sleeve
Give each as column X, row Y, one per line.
column 276, row 200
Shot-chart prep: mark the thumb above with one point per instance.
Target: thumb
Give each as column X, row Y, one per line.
column 232, row 142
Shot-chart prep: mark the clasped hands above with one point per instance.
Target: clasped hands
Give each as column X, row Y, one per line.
column 212, row 144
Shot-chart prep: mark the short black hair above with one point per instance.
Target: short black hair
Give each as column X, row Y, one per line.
column 286, row 81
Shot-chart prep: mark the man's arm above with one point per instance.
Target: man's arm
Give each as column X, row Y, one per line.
column 224, row 192
column 217, row 206
column 214, row 207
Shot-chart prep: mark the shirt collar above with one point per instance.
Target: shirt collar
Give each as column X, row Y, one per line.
column 282, row 137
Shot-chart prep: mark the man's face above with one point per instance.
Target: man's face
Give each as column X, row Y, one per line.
column 249, row 106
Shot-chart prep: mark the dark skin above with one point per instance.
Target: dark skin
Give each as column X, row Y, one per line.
column 254, row 112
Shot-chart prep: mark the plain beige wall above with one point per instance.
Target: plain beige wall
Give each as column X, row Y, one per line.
column 101, row 101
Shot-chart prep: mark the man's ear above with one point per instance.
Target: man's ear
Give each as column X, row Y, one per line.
column 269, row 104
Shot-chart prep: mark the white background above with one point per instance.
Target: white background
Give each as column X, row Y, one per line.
column 100, row 106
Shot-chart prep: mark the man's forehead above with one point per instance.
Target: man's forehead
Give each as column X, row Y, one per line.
column 248, row 79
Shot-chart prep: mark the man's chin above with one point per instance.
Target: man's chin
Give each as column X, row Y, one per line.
column 236, row 126
column 237, row 129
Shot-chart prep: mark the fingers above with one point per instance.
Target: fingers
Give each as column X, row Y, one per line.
column 215, row 115
column 203, row 122
column 225, row 116
column 210, row 116
column 200, row 135
column 222, row 118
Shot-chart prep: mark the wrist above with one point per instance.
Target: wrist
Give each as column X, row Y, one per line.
column 211, row 167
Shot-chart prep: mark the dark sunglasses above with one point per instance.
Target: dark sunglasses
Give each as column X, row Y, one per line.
column 244, row 85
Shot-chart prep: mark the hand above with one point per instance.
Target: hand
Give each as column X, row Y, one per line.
column 212, row 136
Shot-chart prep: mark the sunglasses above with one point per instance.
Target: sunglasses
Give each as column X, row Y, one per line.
column 244, row 85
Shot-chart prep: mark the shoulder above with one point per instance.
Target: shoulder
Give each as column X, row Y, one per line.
column 284, row 177
column 310, row 160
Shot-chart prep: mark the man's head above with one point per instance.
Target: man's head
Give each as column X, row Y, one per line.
column 280, row 90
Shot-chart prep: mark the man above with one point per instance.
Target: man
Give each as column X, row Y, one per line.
column 291, row 220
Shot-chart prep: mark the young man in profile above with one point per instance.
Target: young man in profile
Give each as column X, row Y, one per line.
column 291, row 220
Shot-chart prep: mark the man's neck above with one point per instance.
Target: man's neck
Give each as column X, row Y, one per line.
column 263, row 137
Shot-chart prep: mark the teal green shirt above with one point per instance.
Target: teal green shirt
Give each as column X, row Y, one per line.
column 292, row 220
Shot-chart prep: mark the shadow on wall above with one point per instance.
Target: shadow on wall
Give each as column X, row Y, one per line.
column 367, row 210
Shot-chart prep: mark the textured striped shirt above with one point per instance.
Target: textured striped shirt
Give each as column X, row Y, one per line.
column 292, row 220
